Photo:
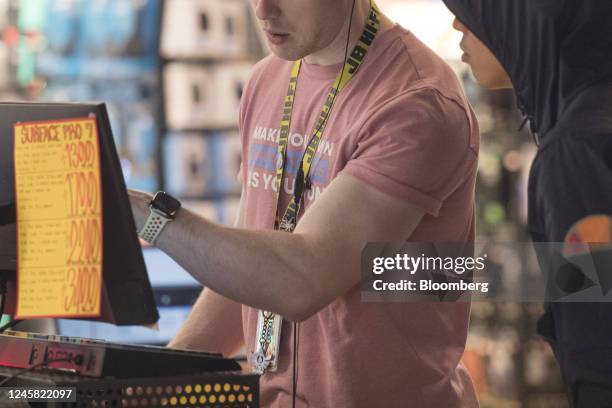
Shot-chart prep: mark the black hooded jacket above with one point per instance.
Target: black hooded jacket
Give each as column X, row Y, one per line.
column 558, row 54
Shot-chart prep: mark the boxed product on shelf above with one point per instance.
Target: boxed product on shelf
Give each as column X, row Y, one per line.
column 107, row 27
column 204, row 29
column 203, row 96
column 233, row 34
column 187, row 165
column 141, row 146
column 119, row 28
column 96, row 38
column 190, row 100
column 231, row 79
column 226, row 152
column 62, row 28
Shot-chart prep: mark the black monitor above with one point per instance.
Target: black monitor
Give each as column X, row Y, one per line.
column 127, row 297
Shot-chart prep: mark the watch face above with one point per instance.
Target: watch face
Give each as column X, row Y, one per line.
column 165, row 203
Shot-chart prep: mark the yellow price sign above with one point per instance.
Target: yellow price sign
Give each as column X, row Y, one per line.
column 59, row 218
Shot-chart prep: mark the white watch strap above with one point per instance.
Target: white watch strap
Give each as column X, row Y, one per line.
column 153, row 227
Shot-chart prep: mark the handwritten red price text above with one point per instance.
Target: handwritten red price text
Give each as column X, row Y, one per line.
column 82, row 289
column 80, row 154
column 83, row 193
column 84, row 239
column 76, row 140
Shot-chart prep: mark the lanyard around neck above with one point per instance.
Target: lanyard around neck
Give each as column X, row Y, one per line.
column 302, row 180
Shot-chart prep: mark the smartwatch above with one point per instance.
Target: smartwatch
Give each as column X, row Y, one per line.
column 163, row 209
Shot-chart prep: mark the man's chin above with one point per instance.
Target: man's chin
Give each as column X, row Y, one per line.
column 286, row 53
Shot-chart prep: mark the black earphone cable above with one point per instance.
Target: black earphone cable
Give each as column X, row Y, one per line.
column 296, row 325
column 295, row 360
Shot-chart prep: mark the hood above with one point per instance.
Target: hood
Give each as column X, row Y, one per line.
column 552, row 49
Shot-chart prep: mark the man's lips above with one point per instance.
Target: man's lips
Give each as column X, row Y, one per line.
column 275, row 32
column 276, row 37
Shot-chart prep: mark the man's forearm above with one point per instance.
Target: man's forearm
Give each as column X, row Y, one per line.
column 264, row 269
column 214, row 324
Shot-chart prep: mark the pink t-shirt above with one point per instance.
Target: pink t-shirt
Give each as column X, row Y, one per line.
column 404, row 127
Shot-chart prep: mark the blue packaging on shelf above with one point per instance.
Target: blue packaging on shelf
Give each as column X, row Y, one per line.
column 97, row 39
column 77, row 91
column 226, row 152
column 141, row 145
column 188, row 170
column 62, row 27
column 120, row 28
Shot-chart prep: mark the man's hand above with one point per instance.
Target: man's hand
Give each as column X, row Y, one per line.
column 139, row 201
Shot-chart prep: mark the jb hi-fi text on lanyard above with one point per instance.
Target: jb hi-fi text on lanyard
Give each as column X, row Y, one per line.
column 265, row 355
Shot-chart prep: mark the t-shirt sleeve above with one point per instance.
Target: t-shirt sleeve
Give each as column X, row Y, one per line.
column 419, row 147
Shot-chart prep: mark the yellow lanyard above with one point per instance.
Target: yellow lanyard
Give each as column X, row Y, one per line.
column 265, row 355
column 350, row 68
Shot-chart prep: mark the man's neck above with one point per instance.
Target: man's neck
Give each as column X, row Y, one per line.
column 333, row 54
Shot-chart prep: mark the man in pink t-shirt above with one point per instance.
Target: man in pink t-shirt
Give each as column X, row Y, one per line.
column 397, row 162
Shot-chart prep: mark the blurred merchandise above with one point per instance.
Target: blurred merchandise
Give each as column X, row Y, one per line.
column 86, row 50
column 226, row 152
column 141, row 146
column 188, row 166
column 208, row 48
column 230, row 79
column 99, row 39
column 190, row 96
column 203, row 96
column 205, row 29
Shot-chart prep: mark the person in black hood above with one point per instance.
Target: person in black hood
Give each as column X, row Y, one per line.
column 557, row 55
